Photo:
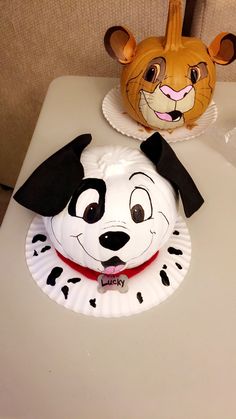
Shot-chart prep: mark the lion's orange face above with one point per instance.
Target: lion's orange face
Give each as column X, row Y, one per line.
column 168, row 81
column 165, row 90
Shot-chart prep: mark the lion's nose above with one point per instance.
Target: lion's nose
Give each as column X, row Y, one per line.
column 114, row 240
column 175, row 95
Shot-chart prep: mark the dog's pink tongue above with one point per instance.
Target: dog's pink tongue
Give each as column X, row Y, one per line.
column 113, row 270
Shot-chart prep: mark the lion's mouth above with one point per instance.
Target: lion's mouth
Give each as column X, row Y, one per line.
column 173, row 116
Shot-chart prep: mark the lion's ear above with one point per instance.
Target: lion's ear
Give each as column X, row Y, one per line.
column 120, row 44
column 222, row 50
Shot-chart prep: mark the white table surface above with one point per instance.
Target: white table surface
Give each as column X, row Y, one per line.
column 175, row 361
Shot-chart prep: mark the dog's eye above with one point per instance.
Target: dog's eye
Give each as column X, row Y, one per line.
column 88, row 200
column 87, row 206
column 137, row 213
column 91, row 213
column 140, row 205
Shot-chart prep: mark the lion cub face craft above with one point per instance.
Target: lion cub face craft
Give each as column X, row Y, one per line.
column 110, row 208
column 168, row 82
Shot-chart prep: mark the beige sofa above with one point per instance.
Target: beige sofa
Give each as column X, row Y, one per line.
column 211, row 17
column 44, row 39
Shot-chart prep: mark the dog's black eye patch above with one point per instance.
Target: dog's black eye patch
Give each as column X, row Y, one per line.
column 86, row 205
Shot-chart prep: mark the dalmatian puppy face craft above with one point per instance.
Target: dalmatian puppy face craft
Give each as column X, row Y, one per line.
column 109, row 208
column 168, row 82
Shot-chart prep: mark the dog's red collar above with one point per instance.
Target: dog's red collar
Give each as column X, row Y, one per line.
column 90, row 274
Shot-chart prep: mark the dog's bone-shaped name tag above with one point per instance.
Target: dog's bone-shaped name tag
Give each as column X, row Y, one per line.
column 112, row 283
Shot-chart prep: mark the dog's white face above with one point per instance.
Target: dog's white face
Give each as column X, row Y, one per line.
column 121, row 214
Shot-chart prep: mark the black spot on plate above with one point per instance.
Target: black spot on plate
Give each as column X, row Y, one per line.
column 176, row 232
column 178, row 265
column 164, row 267
column 45, row 248
column 39, row 237
column 139, row 297
column 73, row 280
column 54, row 274
column 65, row 291
column 92, row 302
column 35, row 253
column 164, row 278
column 174, row 251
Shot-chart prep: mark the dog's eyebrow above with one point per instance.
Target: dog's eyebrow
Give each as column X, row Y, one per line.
column 141, row 173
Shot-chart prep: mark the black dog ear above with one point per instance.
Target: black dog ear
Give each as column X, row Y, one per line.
column 169, row 166
column 49, row 188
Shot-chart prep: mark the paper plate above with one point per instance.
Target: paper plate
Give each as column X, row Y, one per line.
column 114, row 113
column 76, row 292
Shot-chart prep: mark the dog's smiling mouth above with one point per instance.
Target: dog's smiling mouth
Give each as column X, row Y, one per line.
column 113, row 265
column 173, row 116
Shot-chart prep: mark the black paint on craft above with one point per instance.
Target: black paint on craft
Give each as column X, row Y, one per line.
column 164, row 267
column 45, row 248
column 174, row 251
column 178, row 265
column 73, row 280
column 93, row 302
column 176, row 232
column 35, row 253
column 39, row 237
column 139, row 297
column 54, row 274
column 65, row 291
column 164, row 278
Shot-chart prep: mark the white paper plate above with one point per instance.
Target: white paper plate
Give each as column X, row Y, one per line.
column 114, row 113
column 74, row 291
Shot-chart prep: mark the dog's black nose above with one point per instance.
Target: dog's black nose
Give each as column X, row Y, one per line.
column 114, row 240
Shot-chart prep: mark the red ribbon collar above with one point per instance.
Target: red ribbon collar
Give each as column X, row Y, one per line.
column 90, row 274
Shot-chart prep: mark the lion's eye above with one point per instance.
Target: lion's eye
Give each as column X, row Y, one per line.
column 195, row 74
column 140, row 205
column 152, row 73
